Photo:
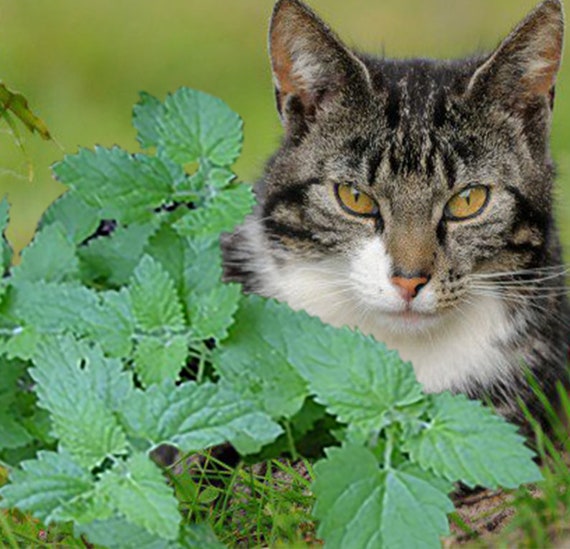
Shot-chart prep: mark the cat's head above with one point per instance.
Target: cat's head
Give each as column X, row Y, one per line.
column 402, row 187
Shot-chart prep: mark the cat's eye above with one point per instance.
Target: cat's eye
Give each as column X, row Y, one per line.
column 356, row 202
column 468, row 203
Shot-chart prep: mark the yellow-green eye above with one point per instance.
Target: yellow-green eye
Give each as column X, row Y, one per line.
column 356, row 202
column 468, row 203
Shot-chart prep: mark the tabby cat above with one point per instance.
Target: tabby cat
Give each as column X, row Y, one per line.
column 412, row 199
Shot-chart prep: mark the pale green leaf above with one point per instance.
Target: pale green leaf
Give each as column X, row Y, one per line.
column 156, row 304
column 66, row 373
column 255, row 358
column 140, row 493
column 469, row 442
column 124, row 187
column 23, row 343
column 194, row 417
column 360, row 505
column 356, row 377
column 212, row 313
column 42, row 486
column 112, row 324
column 194, row 125
column 50, row 257
column 147, row 114
column 221, row 213
column 51, row 307
column 160, row 358
column 79, row 219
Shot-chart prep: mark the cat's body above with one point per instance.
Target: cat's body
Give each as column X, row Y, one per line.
column 413, row 200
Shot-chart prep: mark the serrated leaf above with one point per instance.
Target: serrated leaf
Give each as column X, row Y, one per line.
column 147, row 114
column 466, row 441
column 6, row 251
column 111, row 260
column 194, row 417
column 51, row 307
column 221, row 213
column 124, row 187
column 211, row 314
column 112, row 324
column 50, row 257
column 195, row 125
column 66, row 373
column 156, row 305
column 360, row 505
column 79, row 219
column 139, row 492
column 43, row 485
column 255, row 358
column 160, row 358
column 356, row 377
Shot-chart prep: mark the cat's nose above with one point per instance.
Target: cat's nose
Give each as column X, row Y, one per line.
column 409, row 286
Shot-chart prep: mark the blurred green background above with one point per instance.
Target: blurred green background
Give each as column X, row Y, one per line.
column 81, row 64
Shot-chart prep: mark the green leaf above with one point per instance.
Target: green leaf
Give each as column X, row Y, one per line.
column 255, row 358
column 6, row 248
column 124, row 187
column 194, row 417
column 195, row 125
column 79, row 219
column 111, row 260
column 356, row 377
column 139, row 492
column 360, row 505
column 147, row 114
column 155, row 301
column 112, row 324
column 66, row 374
column 221, row 213
column 43, row 486
column 50, row 257
column 212, row 313
column 52, row 307
column 160, row 358
column 469, row 442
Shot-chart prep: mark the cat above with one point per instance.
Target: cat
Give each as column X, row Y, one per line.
column 412, row 200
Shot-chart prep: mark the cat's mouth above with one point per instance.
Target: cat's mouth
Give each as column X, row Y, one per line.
column 410, row 320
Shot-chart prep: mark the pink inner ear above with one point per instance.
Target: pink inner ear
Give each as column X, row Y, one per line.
column 542, row 75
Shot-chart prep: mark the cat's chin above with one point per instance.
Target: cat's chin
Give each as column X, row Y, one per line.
column 408, row 322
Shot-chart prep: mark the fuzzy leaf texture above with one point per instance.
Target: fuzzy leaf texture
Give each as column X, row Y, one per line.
column 124, row 187
column 190, row 125
column 43, row 486
column 66, row 374
column 467, row 441
column 360, row 505
column 194, row 417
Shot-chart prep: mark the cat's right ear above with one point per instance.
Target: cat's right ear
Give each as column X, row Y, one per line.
column 311, row 66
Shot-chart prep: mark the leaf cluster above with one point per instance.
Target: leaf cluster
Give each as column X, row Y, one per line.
column 117, row 336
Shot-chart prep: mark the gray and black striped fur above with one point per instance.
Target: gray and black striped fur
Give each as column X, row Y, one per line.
column 412, row 134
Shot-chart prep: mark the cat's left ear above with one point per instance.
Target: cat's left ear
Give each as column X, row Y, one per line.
column 524, row 67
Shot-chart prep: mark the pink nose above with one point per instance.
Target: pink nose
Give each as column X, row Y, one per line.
column 409, row 288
